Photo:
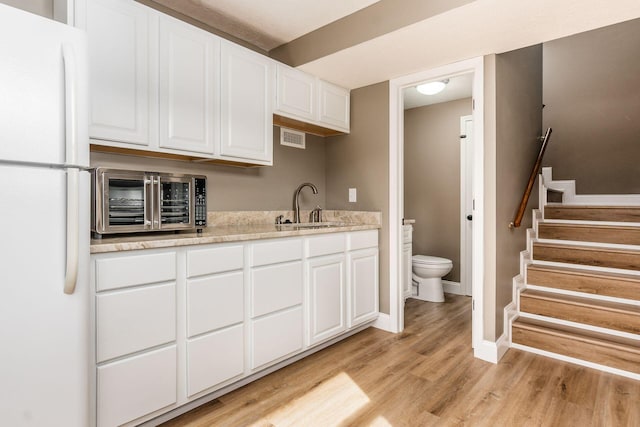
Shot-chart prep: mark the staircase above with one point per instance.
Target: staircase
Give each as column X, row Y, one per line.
column 578, row 293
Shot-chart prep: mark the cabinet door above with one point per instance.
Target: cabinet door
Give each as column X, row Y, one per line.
column 326, row 281
column 334, row 106
column 296, row 94
column 363, row 286
column 189, row 87
column 118, row 33
column 247, row 105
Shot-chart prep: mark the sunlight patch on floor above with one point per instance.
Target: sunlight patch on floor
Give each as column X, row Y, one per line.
column 380, row 421
column 328, row 404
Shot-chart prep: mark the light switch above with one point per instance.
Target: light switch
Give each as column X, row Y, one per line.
column 353, row 197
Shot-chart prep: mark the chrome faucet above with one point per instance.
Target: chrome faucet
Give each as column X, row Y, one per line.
column 296, row 201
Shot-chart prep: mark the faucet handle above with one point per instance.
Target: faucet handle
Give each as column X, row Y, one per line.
column 279, row 219
column 316, row 214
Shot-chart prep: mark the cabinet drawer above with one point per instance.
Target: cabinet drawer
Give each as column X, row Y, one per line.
column 214, row 358
column 214, row 260
column 134, row 319
column 276, row 251
column 276, row 336
column 326, row 244
column 214, row 302
column 275, row 287
column 133, row 270
column 363, row 239
column 133, row 387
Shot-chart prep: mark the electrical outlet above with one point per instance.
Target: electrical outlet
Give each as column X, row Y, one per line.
column 353, row 196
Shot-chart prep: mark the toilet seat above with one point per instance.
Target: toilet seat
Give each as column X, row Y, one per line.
column 430, row 260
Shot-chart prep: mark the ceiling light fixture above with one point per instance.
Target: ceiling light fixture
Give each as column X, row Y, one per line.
column 432, row 88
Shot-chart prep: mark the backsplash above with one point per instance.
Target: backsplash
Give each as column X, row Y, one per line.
column 221, row 218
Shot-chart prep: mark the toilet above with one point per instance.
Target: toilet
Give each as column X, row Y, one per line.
column 428, row 272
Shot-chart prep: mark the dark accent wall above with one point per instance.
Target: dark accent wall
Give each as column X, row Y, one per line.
column 432, row 179
column 518, row 119
column 361, row 160
column 592, row 97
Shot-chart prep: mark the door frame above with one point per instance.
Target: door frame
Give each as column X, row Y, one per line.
column 466, row 206
column 396, row 190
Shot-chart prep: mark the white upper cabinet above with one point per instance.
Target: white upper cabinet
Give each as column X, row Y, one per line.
column 296, row 93
column 334, row 106
column 189, row 93
column 247, row 80
column 307, row 99
column 120, row 68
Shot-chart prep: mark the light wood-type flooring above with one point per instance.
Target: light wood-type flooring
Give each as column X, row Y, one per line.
column 425, row 376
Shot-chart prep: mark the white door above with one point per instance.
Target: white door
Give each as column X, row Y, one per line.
column 363, row 286
column 189, row 87
column 334, row 106
column 247, row 81
column 120, row 68
column 296, row 93
column 466, row 203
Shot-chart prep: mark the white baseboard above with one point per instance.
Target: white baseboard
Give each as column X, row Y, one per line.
column 383, row 322
column 492, row 351
column 450, row 287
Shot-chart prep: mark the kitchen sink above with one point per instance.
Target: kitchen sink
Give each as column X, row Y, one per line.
column 302, row 225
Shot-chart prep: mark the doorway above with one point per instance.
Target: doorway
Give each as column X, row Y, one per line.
column 437, row 175
column 396, row 189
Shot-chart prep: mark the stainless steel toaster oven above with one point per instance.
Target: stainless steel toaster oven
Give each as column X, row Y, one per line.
column 126, row 201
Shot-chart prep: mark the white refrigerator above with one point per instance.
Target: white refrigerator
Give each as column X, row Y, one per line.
column 44, row 222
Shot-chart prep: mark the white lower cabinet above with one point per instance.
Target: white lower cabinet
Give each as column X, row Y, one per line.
column 130, row 388
column 327, row 296
column 172, row 326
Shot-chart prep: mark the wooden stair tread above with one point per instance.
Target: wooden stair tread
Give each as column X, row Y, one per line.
column 592, row 282
column 587, row 311
column 583, row 302
column 593, row 212
column 617, row 234
column 581, row 335
column 601, row 256
column 586, row 273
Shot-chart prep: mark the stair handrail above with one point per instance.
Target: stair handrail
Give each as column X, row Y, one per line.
column 532, row 178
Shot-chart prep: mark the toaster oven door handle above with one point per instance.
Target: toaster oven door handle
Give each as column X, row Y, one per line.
column 148, row 203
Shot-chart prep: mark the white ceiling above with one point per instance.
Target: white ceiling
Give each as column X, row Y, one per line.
column 459, row 87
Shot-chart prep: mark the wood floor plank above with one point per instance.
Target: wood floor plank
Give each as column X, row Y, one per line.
column 421, row 377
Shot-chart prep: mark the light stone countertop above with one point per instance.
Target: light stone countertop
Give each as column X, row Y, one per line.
column 220, row 234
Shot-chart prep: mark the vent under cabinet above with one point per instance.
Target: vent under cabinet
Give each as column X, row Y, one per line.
column 292, row 138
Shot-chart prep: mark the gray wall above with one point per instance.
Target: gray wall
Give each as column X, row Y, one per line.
column 432, row 179
column 518, row 119
column 591, row 92
column 235, row 188
column 361, row 160
column 40, row 7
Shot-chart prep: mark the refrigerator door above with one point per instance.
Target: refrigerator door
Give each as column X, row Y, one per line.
column 44, row 374
column 43, row 90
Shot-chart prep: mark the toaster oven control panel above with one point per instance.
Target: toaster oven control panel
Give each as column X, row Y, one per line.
column 200, row 201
